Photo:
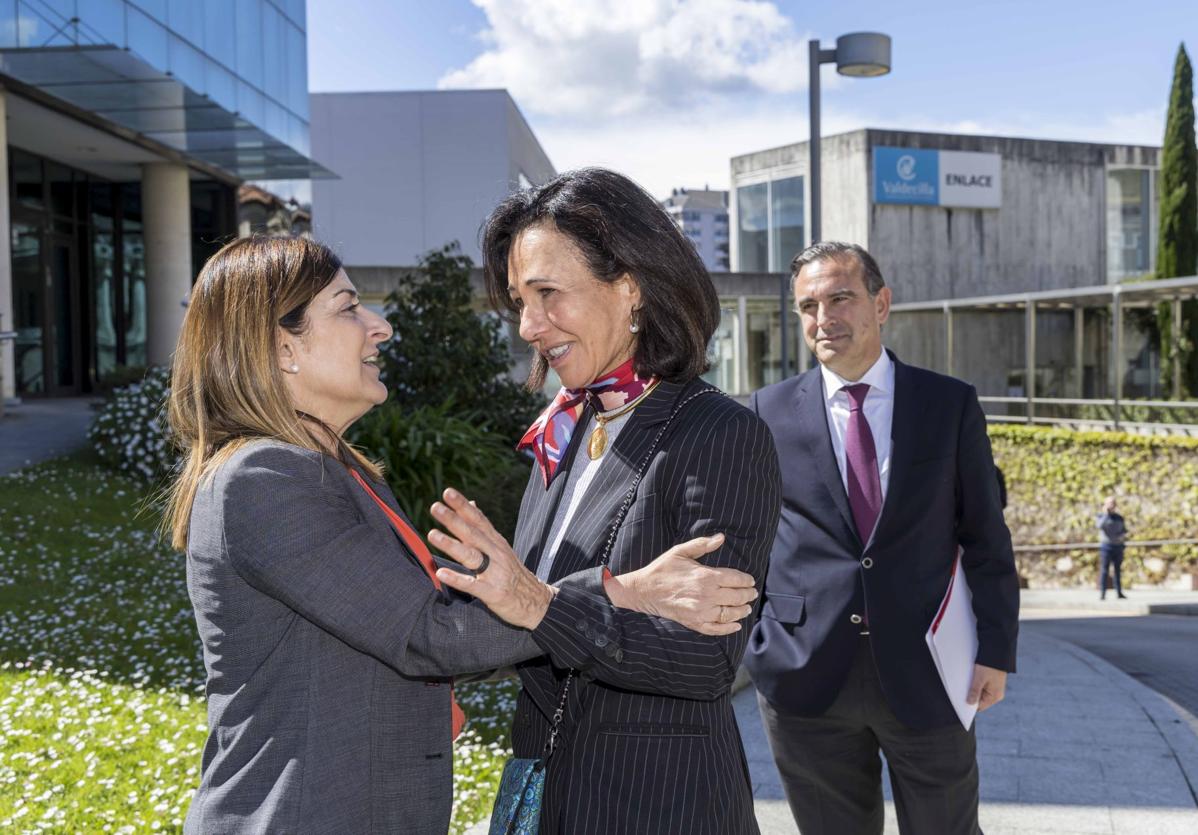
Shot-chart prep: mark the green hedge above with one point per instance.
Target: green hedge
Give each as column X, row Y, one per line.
column 1057, row 480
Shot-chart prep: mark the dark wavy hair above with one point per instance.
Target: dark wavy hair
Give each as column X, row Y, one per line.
column 619, row 229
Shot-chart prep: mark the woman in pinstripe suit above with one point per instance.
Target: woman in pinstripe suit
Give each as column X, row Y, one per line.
column 614, row 298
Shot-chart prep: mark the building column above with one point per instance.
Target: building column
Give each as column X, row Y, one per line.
column 166, row 224
column 8, row 368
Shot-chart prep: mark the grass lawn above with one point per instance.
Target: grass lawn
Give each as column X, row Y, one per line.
column 102, row 714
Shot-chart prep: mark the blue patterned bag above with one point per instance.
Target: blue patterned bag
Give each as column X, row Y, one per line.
column 517, row 808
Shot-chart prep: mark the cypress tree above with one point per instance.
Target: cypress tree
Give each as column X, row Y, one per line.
column 1177, row 241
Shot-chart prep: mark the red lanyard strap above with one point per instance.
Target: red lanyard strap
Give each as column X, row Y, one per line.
column 410, row 537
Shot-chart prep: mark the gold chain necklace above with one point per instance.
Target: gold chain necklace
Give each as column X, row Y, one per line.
column 598, row 442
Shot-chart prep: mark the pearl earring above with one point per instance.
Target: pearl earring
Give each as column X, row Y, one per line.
column 294, row 368
column 633, row 327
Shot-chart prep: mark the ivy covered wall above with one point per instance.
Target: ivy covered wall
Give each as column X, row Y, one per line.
column 1057, row 480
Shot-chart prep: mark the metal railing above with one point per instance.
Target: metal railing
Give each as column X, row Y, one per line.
column 1076, row 546
column 1118, row 407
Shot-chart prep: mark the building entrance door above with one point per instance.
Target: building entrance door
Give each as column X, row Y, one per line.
column 46, row 291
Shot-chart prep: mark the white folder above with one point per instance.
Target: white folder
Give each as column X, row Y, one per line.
column 953, row 641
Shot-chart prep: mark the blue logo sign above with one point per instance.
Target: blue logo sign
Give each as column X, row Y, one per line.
column 906, row 175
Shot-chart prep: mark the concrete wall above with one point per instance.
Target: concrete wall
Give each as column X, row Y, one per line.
column 1050, row 232
column 845, row 177
column 417, row 169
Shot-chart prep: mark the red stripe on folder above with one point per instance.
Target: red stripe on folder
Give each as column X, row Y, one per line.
column 952, row 579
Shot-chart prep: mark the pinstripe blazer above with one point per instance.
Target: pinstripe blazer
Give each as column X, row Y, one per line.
column 650, row 742
column 323, row 643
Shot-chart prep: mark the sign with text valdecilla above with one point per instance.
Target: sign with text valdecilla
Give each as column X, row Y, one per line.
column 937, row 178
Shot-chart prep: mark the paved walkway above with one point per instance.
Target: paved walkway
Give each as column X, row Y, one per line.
column 41, row 429
column 1140, row 601
column 1076, row 747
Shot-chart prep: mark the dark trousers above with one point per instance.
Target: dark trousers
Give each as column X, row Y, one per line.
column 832, row 773
column 1111, row 556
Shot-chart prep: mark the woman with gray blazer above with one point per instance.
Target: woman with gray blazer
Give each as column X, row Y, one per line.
column 328, row 636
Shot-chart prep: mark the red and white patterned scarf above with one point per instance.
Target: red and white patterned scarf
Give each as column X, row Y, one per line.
column 549, row 437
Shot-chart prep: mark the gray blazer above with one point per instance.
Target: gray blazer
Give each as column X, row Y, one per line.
column 326, row 648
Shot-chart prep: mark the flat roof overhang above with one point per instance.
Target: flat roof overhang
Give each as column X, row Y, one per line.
column 1131, row 294
column 117, row 87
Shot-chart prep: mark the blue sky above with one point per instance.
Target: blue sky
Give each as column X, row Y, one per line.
column 668, row 91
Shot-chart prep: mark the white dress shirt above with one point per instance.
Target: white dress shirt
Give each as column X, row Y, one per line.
column 879, row 413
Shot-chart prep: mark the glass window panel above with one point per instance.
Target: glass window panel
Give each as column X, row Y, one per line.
column 148, row 39
column 186, row 17
column 274, row 49
column 62, row 197
column 251, row 104
column 33, row 29
column 297, row 71
column 55, row 26
column 276, row 120
column 29, row 308
column 786, row 234
column 296, row 11
column 220, row 85
column 155, row 8
column 103, row 261
column 61, row 272
column 753, row 232
column 220, row 40
column 722, row 352
column 187, row 63
column 1129, row 233
column 763, row 345
column 26, row 173
column 249, row 42
column 105, row 18
column 134, row 301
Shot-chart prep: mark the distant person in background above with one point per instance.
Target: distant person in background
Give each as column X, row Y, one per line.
column 1112, row 533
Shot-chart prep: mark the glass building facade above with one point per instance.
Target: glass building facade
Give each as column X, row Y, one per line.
column 224, row 81
column 217, row 88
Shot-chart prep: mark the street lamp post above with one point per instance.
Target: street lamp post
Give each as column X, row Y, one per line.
column 858, row 54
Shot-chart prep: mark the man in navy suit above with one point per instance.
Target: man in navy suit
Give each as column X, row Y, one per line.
column 886, row 470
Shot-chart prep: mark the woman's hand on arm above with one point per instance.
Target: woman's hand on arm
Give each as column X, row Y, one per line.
column 505, row 586
column 676, row 586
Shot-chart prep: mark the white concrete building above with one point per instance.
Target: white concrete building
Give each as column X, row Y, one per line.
column 417, row 170
column 951, row 215
column 702, row 215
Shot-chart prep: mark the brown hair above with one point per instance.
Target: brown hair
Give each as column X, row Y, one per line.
column 226, row 386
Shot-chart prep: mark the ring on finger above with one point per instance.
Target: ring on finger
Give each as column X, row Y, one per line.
column 482, row 566
column 721, row 619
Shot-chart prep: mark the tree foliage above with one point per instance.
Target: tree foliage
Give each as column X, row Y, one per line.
column 445, row 352
column 1177, row 242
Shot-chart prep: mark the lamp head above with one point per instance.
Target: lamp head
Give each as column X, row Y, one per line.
column 863, row 54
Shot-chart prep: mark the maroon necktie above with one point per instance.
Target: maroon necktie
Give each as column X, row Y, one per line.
column 861, row 458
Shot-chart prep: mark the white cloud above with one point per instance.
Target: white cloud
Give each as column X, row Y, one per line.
column 667, row 91
column 570, row 58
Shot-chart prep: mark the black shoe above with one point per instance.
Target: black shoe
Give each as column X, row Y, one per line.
column 1102, row 596
column 1122, row 596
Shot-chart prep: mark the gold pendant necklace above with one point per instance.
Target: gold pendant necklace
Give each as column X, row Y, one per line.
column 597, row 445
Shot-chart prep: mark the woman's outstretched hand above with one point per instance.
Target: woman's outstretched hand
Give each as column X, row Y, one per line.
column 504, row 585
column 678, row 587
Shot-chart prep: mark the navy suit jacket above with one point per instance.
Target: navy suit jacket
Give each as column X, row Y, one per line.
column 942, row 492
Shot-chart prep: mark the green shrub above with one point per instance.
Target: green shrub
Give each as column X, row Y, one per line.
column 130, row 435
column 443, row 350
column 1058, row 478
column 427, row 449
